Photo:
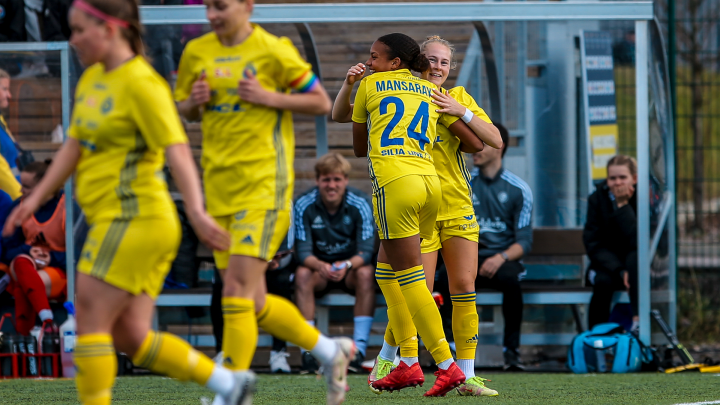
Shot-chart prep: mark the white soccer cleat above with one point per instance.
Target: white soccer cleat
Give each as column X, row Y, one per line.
column 336, row 371
column 243, row 390
column 278, row 362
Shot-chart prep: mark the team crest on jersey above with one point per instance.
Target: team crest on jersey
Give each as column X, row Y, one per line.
column 318, row 223
column 347, row 220
column 223, row 72
column 240, row 215
column 502, row 197
column 107, row 105
column 249, row 68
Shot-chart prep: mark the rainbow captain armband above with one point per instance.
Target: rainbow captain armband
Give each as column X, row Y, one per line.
column 305, row 83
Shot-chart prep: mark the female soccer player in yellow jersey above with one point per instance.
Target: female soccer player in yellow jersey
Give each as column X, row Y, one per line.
column 456, row 229
column 392, row 110
column 450, row 168
column 244, row 84
column 124, row 123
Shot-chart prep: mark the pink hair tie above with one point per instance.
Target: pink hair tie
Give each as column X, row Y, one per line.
column 99, row 14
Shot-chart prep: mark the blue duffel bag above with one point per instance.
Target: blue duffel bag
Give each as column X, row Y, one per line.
column 606, row 348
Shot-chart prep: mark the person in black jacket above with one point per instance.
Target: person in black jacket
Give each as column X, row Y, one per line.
column 12, row 21
column 610, row 238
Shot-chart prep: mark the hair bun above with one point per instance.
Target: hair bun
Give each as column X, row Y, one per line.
column 434, row 38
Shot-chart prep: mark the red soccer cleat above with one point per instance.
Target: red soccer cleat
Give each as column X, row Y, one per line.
column 400, row 377
column 446, row 381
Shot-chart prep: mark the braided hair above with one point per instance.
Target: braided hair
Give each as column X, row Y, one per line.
column 407, row 50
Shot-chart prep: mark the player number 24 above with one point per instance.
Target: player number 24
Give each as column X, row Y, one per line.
column 421, row 118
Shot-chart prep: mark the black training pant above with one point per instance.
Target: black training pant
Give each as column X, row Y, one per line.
column 605, row 283
column 506, row 280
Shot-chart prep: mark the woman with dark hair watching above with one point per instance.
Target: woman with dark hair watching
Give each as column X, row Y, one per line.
column 610, row 238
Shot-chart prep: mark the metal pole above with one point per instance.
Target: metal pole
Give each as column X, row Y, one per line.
column 69, row 206
column 311, row 51
column 643, row 157
column 672, row 182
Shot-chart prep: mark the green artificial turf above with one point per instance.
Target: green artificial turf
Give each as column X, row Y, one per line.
column 526, row 388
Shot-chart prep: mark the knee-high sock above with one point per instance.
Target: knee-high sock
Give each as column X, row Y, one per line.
column 29, row 281
column 96, row 367
column 280, row 318
column 424, row 311
column 169, row 355
column 465, row 325
column 389, row 336
column 24, row 312
column 240, row 334
column 399, row 317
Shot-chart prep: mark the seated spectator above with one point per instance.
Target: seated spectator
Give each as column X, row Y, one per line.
column 335, row 237
column 610, row 238
column 9, row 174
column 36, row 255
column 503, row 205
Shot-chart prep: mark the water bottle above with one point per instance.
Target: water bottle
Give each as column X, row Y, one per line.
column 9, row 346
column 68, row 331
column 50, row 345
column 32, row 362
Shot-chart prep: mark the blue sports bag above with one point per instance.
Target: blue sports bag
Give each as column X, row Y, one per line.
column 605, row 348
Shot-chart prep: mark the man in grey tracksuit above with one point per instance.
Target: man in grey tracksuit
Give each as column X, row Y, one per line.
column 503, row 207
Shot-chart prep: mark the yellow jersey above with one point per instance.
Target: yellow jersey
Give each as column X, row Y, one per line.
column 248, row 149
column 8, row 176
column 401, row 121
column 124, row 119
column 450, row 162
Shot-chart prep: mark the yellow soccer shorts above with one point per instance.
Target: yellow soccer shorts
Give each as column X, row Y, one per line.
column 407, row 206
column 462, row 227
column 253, row 233
column 133, row 255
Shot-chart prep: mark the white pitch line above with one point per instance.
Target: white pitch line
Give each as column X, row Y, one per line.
column 701, row 403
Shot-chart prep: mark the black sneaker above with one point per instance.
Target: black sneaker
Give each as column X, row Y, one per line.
column 356, row 364
column 309, row 364
column 512, row 361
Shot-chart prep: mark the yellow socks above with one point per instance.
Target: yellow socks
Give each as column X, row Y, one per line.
column 465, row 325
column 424, row 311
column 96, row 367
column 389, row 337
column 399, row 317
column 280, row 318
column 240, row 334
column 169, row 355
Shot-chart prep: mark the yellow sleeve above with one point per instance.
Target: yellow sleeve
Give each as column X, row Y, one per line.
column 296, row 73
column 466, row 100
column 359, row 107
column 185, row 75
column 8, row 182
column 153, row 110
